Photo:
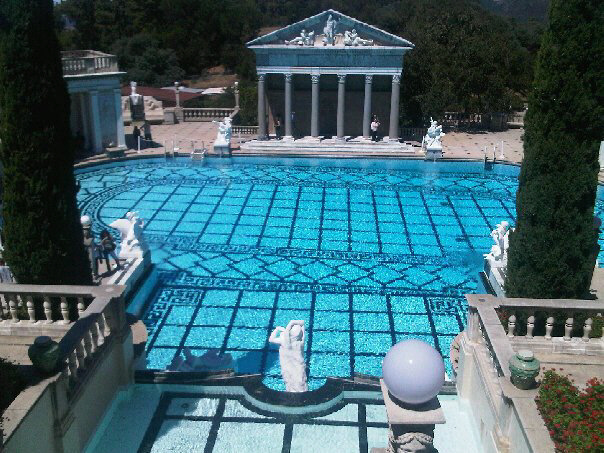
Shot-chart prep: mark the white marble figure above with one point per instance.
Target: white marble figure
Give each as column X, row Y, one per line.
column 433, row 137
column 135, row 98
column 351, row 38
column 305, row 39
column 291, row 355
column 133, row 244
column 498, row 256
column 329, row 31
column 209, row 360
column 223, row 136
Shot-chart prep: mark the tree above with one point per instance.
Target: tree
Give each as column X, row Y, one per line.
column 43, row 235
column 553, row 250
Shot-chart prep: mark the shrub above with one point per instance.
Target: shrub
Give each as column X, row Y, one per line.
column 575, row 419
column 11, row 383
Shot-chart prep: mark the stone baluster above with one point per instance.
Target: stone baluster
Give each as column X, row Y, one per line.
column 530, row 326
column 12, row 303
column 72, row 365
column 549, row 325
column 104, row 325
column 94, row 336
column 47, row 310
column 30, row 309
column 81, row 354
column 88, row 347
column 64, row 311
column 81, row 307
column 568, row 327
column 511, row 326
column 3, row 311
column 587, row 329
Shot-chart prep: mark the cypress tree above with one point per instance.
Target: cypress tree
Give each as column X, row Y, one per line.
column 42, row 232
column 553, row 250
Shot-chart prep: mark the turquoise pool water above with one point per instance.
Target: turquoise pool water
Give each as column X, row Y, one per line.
column 368, row 253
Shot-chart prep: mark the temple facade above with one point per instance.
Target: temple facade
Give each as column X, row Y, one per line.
column 93, row 83
column 326, row 76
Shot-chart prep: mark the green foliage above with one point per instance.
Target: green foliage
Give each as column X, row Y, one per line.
column 553, row 250
column 248, row 104
column 11, row 383
column 574, row 419
column 146, row 62
column 43, row 236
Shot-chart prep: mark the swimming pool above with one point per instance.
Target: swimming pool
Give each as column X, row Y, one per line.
column 367, row 253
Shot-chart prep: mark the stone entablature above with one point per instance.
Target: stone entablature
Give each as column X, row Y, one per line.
column 85, row 62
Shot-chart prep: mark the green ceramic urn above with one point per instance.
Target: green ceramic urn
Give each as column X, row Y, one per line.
column 44, row 354
column 524, row 368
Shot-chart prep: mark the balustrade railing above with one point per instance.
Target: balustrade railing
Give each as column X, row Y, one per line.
column 245, row 130
column 206, row 114
column 88, row 62
column 413, row 133
column 505, row 325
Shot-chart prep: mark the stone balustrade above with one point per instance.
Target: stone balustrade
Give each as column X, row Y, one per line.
column 245, row 130
column 206, row 114
column 87, row 62
column 41, row 304
column 541, row 325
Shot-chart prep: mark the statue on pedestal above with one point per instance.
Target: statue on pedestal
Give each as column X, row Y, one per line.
column 223, row 136
column 498, row 256
column 329, row 31
column 137, row 105
column 133, row 243
column 351, row 38
column 434, row 135
column 291, row 355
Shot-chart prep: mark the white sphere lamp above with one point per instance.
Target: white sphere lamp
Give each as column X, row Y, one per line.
column 413, row 371
column 86, row 221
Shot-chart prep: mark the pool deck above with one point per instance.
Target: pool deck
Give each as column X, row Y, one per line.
column 457, row 145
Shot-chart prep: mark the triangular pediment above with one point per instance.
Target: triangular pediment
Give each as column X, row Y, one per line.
column 314, row 31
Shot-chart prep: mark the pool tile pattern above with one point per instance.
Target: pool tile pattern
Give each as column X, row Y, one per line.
column 366, row 256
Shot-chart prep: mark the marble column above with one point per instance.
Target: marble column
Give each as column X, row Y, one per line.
column 119, row 120
column 262, row 132
column 314, row 115
column 341, row 105
column 288, row 106
column 367, row 107
column 84, row 118
column 394, row 107
column 97, row 133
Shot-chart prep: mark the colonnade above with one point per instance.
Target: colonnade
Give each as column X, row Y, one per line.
column 314, row 117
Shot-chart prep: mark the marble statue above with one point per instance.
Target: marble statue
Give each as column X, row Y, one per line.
column 498, row 256
column 351, row 38
column 305, row 39
column 133, row 244
column 291, row 355
column 330, row 31
column 135, row 98
column 434, row 135
column 223, row 136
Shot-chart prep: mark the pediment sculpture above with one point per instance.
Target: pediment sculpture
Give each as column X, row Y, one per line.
column 352, row 38
column 305, row 39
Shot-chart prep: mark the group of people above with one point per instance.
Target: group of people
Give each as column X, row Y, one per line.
column 143, row 132
column 97, row 252
column 375, row 124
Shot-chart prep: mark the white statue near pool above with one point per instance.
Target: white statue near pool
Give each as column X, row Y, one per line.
column 133, row 243
column 291, row 355
column 498, row 256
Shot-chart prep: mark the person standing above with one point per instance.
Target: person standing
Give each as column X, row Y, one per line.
column 375, row 124
column 136, row 133
column 278, row 127
column 108, row 248
column 147, row 131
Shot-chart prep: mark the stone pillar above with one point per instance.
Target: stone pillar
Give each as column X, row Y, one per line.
column 119, row 126
column 84, row 118
column 314, row 115
column 394, row 106
column 262, row 132
column 97, row 133
column 288, row 107
column 341, row 105
column 367, row 107
column 236, row 91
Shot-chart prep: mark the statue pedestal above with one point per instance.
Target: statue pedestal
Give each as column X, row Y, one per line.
column 222, row 148
column 411, row 427
column 434, row 152
column 495, row 274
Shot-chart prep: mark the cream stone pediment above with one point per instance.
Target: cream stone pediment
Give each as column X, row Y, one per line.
column 330, row 29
